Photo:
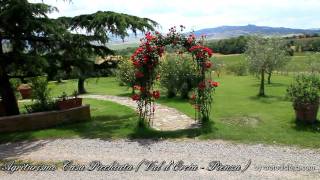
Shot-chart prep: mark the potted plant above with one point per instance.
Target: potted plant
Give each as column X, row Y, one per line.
column 66, row 102
column 305, row 93
column 25, row 91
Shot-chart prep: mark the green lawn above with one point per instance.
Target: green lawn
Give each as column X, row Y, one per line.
column 297, row 64
column 237, row 114
column 109, row 120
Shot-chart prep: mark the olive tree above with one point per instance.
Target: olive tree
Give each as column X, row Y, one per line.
column 264, row 56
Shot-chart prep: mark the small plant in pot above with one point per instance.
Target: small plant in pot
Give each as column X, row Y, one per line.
column 25, row 91
column 66, row 102
column 305, row 93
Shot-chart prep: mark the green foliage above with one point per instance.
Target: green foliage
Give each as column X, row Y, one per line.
column 313, row 62
column 305, row 89
column 229, row 46
column 240, row 68
column 125, row 73
column 178, row 75
column 35, row 43
column 41, row 97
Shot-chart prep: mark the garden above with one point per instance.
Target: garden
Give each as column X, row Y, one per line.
column 265, row 95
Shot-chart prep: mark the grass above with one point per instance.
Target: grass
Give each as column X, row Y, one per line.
column 298, row 62
column 271, row 119
column 109, row 120
column 237, row 115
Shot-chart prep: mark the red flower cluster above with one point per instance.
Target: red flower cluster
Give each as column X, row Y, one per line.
column 142, row 89
column 202, row 85
column 156, row 94
column 201, row 51
column 135, row 97
column 139, row 74
column 150, row 37
column 191, row 38
column 213, row 83
column 207, row 64
column 193, row 97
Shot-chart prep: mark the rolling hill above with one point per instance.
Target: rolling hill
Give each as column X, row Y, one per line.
column 223, row 32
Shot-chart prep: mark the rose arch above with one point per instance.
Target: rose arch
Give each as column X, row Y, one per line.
column 146, row 60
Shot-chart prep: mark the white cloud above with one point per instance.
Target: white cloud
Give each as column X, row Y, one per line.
column 204, row 13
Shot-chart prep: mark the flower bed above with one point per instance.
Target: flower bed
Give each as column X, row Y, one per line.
column 44, row 120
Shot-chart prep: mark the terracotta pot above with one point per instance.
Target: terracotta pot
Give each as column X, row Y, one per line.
column 25, row 91
column 307, row 112
column 69, row 103
column 2, row 111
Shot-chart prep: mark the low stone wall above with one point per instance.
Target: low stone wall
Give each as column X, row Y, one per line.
column 44, row 120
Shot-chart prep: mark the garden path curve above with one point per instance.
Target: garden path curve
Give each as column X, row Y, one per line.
column 165, row 118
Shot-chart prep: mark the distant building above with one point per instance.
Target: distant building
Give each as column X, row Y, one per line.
column 108, row 61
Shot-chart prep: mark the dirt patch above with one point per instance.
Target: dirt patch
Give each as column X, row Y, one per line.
column 249, row 121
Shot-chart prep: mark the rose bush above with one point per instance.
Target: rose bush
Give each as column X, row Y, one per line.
column 146, row 60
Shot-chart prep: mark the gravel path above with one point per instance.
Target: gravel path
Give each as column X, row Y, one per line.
column 165, row 118
column 198, row 153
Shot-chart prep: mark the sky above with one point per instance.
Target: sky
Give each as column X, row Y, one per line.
column 198, row 14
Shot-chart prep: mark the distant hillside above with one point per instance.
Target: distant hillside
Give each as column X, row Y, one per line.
column 223, row 32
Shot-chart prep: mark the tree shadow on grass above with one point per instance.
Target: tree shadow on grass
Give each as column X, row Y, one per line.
column 103, row 127
column 270, row 85
column 267, row 99
column 149, row 133
column 307, row 127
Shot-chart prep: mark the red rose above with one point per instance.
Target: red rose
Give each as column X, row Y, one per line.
column 193, row 97
column 215, row 84
column 139, row 74
column 145, row 59
column 202, row 85
column 156, row 94
column 137, row 87
column 135, row 97
column 207, row 64
column 136, row 64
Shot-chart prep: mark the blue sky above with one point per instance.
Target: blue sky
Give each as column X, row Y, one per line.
column 204, row 13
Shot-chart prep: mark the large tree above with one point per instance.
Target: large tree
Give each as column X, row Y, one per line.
column 32, row 39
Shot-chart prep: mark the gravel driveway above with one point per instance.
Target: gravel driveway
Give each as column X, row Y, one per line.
column 198, row 160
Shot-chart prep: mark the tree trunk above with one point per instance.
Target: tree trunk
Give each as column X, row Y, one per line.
column 8, row 97
column 261, row 91
column 269, row 78
column 81, row 89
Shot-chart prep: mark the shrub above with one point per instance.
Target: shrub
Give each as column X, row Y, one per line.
column 239, row 69
column 178, row 75
column 305, row 89
column 41, row 97
column 126, row 74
